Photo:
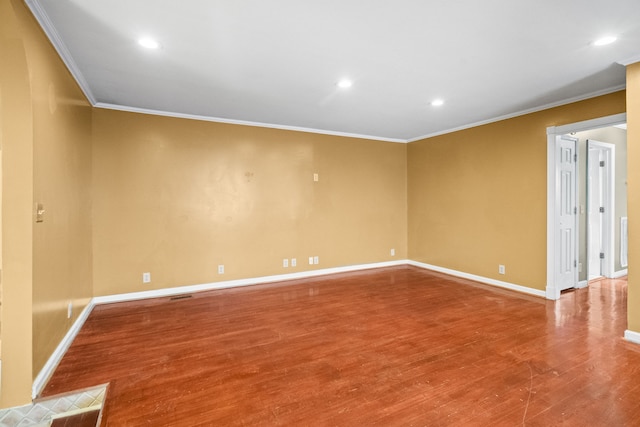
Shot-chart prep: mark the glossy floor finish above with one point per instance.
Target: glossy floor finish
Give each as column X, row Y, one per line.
column 85, row 419
column 398, row 346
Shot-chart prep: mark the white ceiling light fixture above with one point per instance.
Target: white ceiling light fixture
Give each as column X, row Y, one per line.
column 345, row 84
column 148, row 43
column 605, row 41
column 437, row 102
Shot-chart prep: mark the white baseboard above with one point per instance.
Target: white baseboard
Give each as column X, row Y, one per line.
column 158, row 293
column 49, row 367
column 621, row 273
column 582, row 284
column 481, row 279
column 632, row 336
column 47, row 370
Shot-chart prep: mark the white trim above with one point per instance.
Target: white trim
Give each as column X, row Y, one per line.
column 41, row 380
column 486, row 280
column 600, row 122
column 632, row 336
column 53, row 361
column 582, row 284
column 158, row 293
column 620, row 273
column 552, row 190
column 631, row 60
column 45, row 373
column 108, row 106
column 47, row 370
column 45, row 22
column 525, row 112
column 552, row 186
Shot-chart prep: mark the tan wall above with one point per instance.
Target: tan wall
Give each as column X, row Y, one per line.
column 16, row 137
column 48, row 160
column 633, row 180
column 178, row 197
column 477, row 197
column 62, row 183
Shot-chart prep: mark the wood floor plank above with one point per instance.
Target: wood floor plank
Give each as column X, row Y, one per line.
column 394, row 346
column 85, row 419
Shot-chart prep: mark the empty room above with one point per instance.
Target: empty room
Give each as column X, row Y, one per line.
column 342, row 213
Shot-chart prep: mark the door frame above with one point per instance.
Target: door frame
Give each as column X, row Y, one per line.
column 608, row 220
column 553, row 190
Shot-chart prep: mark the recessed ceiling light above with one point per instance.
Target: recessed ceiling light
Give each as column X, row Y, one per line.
column 437, row 102
column 345, row 84
column 605, row 41
column 148, row 43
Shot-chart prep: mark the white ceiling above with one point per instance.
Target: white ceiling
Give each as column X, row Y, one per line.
column 276, row 63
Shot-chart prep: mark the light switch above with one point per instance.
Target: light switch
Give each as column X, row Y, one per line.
column 39, row 212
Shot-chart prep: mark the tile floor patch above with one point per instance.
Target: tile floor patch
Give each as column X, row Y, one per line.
column 40, row 413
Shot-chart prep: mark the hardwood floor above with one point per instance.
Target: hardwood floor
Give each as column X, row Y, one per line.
column 85, row 419
column 398, row 346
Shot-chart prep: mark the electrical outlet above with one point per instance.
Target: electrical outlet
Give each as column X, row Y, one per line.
column 146, row 277
column 393, row 252
column 501, row 269
column 221, row 269
column 285, row 263
column 316, row 177
column 293, row 262
column 316, row 260
column 69, row 310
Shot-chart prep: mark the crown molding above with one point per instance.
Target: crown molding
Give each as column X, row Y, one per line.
column 45, row 22
column 43, row 19
column 108, row 106
column 525, row 112
column 631, row 60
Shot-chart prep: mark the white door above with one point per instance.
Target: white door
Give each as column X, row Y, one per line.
column 595, row 201
column 601, row 208
column 567, row 260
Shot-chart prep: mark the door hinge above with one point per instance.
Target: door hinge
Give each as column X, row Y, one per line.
column 575, row 157
column 575, row 210
column 575, row 263
column 601, row 255
column 602, row 209
column 601, row 163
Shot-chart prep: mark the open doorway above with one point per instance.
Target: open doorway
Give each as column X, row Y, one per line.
column 576, row 268
column 602, row 194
